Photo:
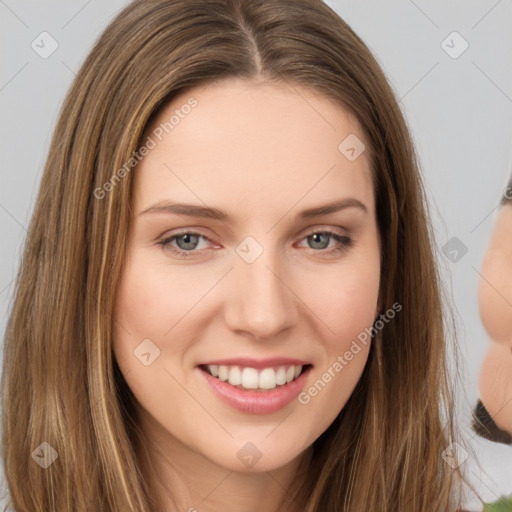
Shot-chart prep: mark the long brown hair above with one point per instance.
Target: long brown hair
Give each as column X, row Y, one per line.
column 61, row 383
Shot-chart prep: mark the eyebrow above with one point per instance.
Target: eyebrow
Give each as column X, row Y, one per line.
column 193, row 210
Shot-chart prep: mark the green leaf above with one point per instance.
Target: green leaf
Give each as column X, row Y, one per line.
column 504, row 504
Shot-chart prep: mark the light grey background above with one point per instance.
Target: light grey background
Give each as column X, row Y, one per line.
column 459, row 111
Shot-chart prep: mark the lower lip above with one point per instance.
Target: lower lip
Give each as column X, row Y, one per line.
column 257, row 402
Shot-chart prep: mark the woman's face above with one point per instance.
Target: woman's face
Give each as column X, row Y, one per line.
column 248, row 277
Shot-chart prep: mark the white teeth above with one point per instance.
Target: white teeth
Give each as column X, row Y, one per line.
column 223, row 372
column 281, row 375
column 235, row 376
column 267, row 379
column 251, row 378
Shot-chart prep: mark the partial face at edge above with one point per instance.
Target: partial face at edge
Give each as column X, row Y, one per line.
column 265, row 282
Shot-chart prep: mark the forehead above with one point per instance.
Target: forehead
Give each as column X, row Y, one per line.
column 274, row 144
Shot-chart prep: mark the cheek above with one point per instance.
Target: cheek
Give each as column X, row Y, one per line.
column 146, row 309
column 345, row 300
column 143, row 310
column 149, row 303
column 346, row 313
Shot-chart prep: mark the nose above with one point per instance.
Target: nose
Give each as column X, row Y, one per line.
column 260, row 298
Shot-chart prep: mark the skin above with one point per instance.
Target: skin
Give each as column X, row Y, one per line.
column 495, row 304
column 263, row 153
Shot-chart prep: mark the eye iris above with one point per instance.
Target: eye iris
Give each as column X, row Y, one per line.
column 316, row 237
column 187, row 238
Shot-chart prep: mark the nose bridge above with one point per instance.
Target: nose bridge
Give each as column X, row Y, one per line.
column 260, row 301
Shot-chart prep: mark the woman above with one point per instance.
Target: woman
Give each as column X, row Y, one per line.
column 257, row 371
column 493, row 414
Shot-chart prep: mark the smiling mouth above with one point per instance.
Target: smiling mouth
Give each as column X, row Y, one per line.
column 247, row 378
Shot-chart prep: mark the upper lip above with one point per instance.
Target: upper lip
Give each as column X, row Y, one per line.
column 257, row 363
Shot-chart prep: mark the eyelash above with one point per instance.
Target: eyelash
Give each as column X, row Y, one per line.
column 345, row 241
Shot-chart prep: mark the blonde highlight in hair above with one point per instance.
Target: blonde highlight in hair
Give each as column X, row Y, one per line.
column 61, row 383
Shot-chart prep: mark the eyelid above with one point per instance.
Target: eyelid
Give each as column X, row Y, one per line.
column 323, row 229
column 197, row 231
